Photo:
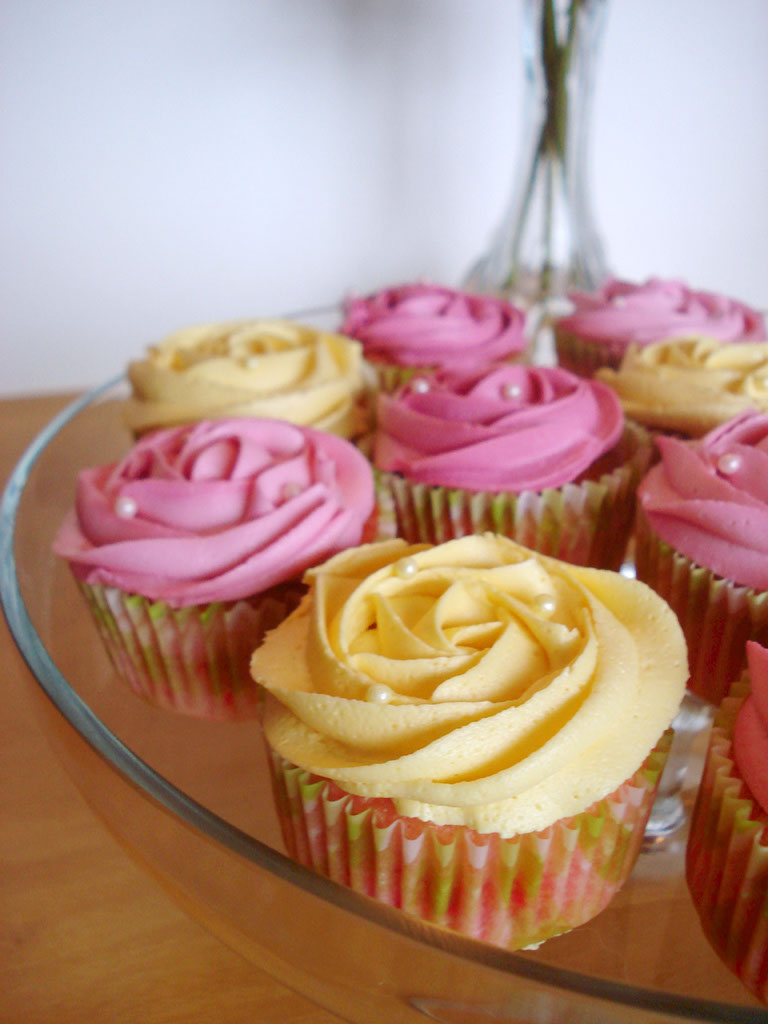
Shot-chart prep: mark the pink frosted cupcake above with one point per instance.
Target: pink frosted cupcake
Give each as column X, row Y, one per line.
column 532, row 452
column 702, row 543
column 727, row 853
column 417, row 328
column 194, row 545
column 605, row 323
column 471, row 732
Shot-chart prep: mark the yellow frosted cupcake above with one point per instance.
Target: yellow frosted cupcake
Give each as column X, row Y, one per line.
column 689, row 386
column 273, row 369
column 471, row 732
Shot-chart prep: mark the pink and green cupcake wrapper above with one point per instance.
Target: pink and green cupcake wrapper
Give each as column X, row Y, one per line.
column 513, row 892
column 717, row 617
column 588, row 522
column 585, row 356
column 389, row 377
column 193, row 660
column 727, row 857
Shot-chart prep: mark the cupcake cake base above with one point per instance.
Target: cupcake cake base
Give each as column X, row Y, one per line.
column 513, row 892
column 588, row 522
column 727, row 857
column 192, row 660
column 717, row 617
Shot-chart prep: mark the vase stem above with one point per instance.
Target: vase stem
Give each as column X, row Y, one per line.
column 547, row 242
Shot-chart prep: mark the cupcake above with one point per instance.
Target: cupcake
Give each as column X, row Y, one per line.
column 193, row 545
column 702, row 543
column 689, row 386
column 471, row 732
column 727, row 851
column 605, row 323
column 272, row 369
column 417, row 328
column 532, row 452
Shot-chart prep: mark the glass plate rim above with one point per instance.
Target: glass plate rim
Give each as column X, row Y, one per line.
column 193, row 814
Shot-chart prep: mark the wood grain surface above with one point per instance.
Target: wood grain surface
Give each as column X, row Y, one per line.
column 85, row 936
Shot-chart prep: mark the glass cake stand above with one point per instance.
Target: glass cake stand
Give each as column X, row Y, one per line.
column 191, row 802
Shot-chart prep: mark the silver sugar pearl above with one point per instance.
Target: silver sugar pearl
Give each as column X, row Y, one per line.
column 126, row 507
column 379, row 693
column 511, row 390
column 406, row 568
column 729, row 464
column 420, row 385
column 544, row 603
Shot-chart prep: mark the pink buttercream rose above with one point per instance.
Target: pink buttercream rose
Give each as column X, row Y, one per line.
column 508, row 428
column 626, row 313
column 750, row 737
column 429, row 325
column 708, row 499
column 217, row 511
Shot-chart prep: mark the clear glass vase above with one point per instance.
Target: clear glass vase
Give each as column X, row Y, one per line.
column 547, row 242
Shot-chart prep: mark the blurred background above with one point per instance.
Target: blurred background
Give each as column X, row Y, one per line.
column 169, row 162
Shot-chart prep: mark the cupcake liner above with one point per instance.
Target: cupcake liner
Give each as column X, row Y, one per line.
column 727, row 857
column 585, row 356
column 389, row 376
column 513, row 892
column 193, row 660
column 588, row 522
column 717, row 617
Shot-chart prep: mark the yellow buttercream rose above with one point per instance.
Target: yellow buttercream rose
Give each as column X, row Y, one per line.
column 691, row 385
column 275, row 369
column 475, row 682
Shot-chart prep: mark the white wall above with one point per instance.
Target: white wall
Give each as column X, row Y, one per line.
column 165, row 162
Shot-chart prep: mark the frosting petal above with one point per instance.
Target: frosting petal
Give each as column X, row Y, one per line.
column 432, row 326
column 220, row 510
column 692, row 384
column 709, row 499
column 630, row 313
column 509, row 427
column 527, row 688
column 273, row 369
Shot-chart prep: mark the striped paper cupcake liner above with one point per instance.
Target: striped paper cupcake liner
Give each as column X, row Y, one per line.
column 727, row 857
column 191, row 660
column 717, row 617
column 513, row 892
column 585, row 356
column 585, row 523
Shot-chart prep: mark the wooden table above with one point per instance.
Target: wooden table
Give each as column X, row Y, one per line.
column 85, row 936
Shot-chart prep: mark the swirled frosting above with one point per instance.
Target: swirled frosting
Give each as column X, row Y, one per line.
column 626, row 313
column 217, row 511
column 428, row 325
column 473, row 682
column 510, row 428
column 690, row 384
column 708, row 499
column 750, row 735
column 272, row 369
